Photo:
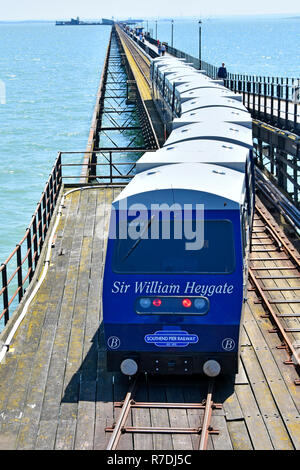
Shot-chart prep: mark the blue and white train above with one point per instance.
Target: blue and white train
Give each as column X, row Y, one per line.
column 176, row 264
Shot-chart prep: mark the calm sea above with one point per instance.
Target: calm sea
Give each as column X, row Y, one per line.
column 51, row 75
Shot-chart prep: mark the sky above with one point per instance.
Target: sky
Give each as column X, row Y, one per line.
column 16, row 10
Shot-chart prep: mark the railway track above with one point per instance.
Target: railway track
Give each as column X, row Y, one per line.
column 142, row 62
column 200, row 432
column 274, row 275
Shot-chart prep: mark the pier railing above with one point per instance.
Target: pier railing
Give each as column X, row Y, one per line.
column 17, row 271
column 277, row 155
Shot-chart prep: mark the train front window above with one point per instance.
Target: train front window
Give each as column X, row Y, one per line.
column 169, row 255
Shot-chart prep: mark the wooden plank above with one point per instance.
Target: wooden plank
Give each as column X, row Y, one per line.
column 279, row 390
column 121, row 387
column 178, row 418
column 159, row 418
column 195, row 392
column 256, row 427
column 265, row 401
column 84, row 439
column 65, row 435
column 239, row 435
column 142, row 417
column 225, row 394
column 222, row 440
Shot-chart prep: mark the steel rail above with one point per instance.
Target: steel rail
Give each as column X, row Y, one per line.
column 206, row 428
column 118, row 429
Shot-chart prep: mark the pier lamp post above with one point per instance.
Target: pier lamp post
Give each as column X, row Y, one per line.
column 147, row 27
column 172, row 34
column 156, row 29
column 200, row 57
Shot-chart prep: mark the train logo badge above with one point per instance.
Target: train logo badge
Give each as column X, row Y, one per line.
column 171, row 339
column 114, row 342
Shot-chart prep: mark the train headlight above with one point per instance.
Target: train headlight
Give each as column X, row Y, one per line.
column 145, row 303
column 129, row 367
column 201, row 304
column 211, row 368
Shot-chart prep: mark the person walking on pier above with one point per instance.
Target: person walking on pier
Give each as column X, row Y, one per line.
column 163, row 49
column 222, row 72
column 158, row 48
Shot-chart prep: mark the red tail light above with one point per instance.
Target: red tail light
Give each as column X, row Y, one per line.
column 156, row 302
column 187, row 303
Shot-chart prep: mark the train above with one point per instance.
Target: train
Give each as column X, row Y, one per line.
column 176, row 267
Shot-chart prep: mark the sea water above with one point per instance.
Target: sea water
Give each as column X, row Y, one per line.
column 51, row 76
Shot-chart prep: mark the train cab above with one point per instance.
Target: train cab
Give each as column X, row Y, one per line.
column 174, row 283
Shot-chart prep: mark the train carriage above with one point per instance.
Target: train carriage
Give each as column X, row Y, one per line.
column 176, row 266
column 174, row 304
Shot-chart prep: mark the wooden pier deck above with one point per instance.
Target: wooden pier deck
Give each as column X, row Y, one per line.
column 56, row 394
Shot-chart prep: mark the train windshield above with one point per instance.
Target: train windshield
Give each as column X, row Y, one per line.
column 175, row 251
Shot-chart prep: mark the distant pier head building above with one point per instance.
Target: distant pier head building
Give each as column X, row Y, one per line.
column 77, row 22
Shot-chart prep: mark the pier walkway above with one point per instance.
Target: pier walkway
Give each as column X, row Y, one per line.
column 55, row 392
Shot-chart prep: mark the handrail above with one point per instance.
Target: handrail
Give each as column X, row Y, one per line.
column 33, row 241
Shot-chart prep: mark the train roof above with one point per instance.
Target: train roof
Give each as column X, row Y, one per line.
column 223, row 131
column 186, row 76
column 194, row 76
column 211, row 100
column 208, row 151
column 209, row 89
column 214, row 114
column 198, row 82
column 185, row 183
column 167, row 58
column 168, row 69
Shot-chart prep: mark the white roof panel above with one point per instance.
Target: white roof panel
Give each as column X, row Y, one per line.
column 222, row 131
column 186, row 183
column 185, row 76
column 198, row 82
column 214, row 114
column 201, row 92
column 208, row 151
column 211, row 100
column 209, row 87
column 168, row 69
